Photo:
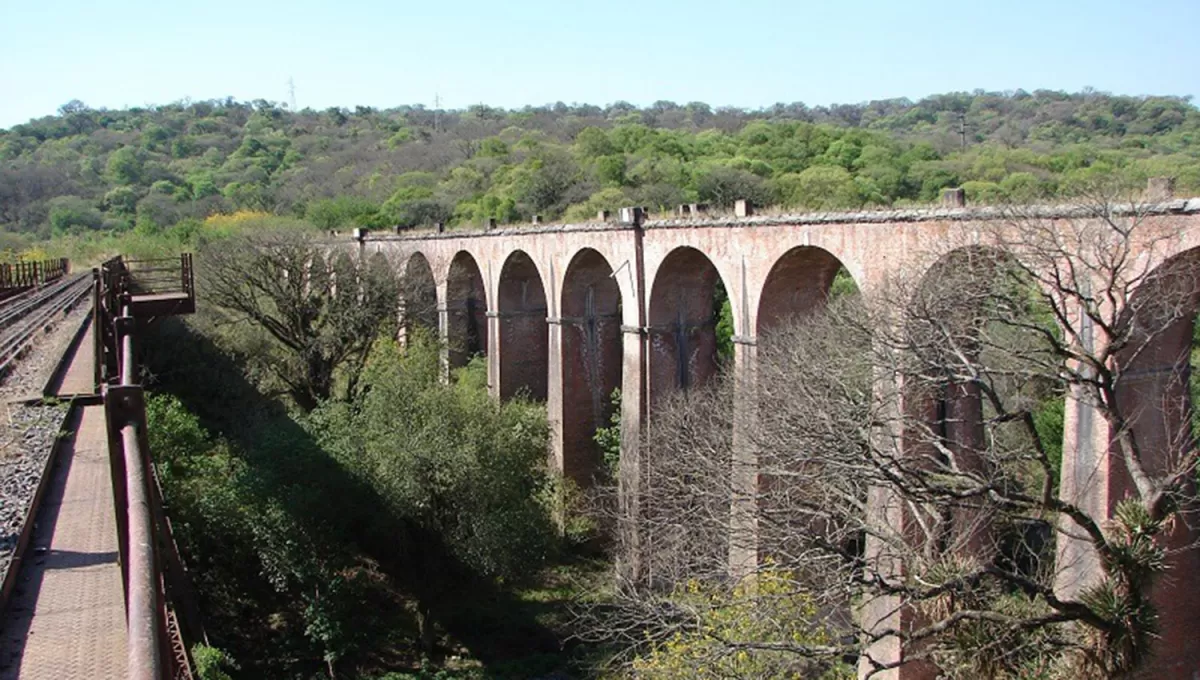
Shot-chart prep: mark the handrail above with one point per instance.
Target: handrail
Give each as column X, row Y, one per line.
column 144, row 603
column 17, row 276
column 153, row 575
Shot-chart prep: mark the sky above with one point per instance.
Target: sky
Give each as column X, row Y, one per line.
column 751, row 53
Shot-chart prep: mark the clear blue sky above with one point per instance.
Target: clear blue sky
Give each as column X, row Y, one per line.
column 750, row 53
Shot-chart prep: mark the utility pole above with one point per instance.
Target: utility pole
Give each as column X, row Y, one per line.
column 962, row 129
column 437, row 111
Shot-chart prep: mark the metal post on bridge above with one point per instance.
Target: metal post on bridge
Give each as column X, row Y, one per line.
column 161, row 616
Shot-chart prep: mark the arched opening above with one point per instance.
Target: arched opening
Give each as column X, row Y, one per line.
column 943, row 407
column 1155, row 390
column 685, row 309
column 801, row 284
column 343, row 273
column 687, row 456
column 983, row 398
column 524, row 353
column 418, row 298
column 591, row 361
column 466, row 309
column 801, row 281
column 1156, row 383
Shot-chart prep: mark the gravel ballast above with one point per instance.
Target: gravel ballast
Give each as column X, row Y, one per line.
column 27, row 437
column 28, row 427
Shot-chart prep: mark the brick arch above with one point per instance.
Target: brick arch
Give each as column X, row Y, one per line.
column 591, row 359
column 1160, row 319
column 418, row 294
column 797, row 284
column 466, row 310
column 682, row 323
column 1153, row 391
column 947, row 410
column 523, row 337
column 340, row 262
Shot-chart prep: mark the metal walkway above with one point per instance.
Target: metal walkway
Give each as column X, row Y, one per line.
column 98, row 589
column 66, row 618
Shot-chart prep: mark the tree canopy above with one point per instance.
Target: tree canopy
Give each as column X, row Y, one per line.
column 89, row 169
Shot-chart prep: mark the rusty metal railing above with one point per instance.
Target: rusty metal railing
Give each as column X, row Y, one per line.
column 161, row 613
column 163, row 275
column 18, row 276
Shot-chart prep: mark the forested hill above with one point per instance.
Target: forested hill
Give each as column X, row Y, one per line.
column 149, row 168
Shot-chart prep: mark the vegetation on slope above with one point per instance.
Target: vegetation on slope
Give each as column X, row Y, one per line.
column 407, row 528
column 146, row 169
column 344, row 511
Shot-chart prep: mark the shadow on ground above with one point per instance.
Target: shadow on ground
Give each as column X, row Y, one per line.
column 325, row 499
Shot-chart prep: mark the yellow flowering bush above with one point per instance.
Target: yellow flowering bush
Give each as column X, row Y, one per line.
column 760, row 629
column 226, row 224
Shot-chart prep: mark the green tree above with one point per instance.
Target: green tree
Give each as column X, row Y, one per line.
column 611, row 170
column 414, row 201
column 541, row 184
column 821, row 187
column 202, row 184
column 765, row 618
column 460, row 467
column 121, row 201
column 986, row 193
column 722, row 185
column 71, row 214
column 126, row 166
column 611, row 199
column 248, row 196
column 593, row 142
column 335, row 213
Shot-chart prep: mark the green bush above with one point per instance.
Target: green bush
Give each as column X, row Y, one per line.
column 447, row 459
column 343, row 211
column 268, row 553
column 210, row 663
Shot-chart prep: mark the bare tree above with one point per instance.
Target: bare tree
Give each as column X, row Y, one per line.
column 905, row 469
column 321, row 309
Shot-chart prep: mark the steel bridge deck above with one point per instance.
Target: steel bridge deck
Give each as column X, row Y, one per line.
column 66, row 618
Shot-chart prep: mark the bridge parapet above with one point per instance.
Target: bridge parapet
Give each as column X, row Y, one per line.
column 1179, row 206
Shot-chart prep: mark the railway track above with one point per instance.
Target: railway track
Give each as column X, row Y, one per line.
column 25, row 316
column 14, row 306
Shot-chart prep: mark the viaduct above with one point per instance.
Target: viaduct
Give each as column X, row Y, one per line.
column 569, row 313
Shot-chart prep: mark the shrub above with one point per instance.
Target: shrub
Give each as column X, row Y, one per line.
column 774, row 620
column 447, row 460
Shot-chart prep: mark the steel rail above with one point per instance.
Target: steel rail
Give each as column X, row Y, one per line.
column 14, row 308
column 17, row 338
